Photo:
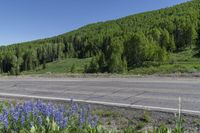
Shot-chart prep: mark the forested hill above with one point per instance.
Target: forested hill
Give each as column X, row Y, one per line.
column 116, row 46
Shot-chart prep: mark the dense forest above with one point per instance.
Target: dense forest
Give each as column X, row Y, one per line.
column 115, row 46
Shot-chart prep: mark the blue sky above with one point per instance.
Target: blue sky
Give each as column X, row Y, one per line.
column 25, row 20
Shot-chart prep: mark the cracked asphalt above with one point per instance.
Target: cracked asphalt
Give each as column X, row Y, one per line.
column 146, row 91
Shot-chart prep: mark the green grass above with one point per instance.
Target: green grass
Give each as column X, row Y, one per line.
column 63, row 66
column 182, row 62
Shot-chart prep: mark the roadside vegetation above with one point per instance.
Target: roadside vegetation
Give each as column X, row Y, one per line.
column 133, row 43
column 40, row 117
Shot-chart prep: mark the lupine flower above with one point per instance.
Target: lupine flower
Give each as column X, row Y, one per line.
column 39, row 110
column 22, row 120
column 74, row 108
column 94, row 121
column 5, row 122
column 35, row 113
column 58, row 116
column 81, row 119
column 1, row 117
column 50, row 110
column 28, row 107
column 15, row 116
column 64, row 123
column 40, row 120
column 12, row 109
column 5, row 112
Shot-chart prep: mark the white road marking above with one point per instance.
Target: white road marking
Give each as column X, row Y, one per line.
column 139, row 79
column 154, row 108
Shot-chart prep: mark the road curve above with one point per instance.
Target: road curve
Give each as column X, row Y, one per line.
column 156, row 93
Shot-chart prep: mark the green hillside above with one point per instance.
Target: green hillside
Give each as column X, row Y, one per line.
column 69, row 65
column 137, row 43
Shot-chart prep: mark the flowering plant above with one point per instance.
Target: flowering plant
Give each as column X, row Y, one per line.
column 36, row 117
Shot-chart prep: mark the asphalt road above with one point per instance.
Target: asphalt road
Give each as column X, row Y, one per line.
column 151, row 92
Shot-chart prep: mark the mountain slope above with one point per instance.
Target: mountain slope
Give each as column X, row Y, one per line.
column 133, row 41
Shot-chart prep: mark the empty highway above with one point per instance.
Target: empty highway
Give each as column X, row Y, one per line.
column 157, row 93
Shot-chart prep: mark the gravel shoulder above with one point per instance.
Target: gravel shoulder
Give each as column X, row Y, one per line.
column 106, row 75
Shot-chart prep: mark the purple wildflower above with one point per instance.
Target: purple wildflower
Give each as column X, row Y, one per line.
column 22, row 120
column 40, row 120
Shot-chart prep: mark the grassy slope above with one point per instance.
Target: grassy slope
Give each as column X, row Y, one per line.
column 62, row 66
column 183, row 62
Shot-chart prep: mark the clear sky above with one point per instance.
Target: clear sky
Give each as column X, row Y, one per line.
column 25, row 20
